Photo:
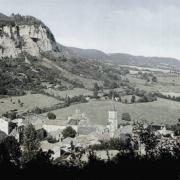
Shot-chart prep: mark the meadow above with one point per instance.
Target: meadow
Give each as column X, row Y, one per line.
column 70, row 93
column 29, row 102
column 166, row 83
column 160, row 111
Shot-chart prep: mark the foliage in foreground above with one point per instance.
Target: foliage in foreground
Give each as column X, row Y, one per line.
column 127, row 164
column 124, row 166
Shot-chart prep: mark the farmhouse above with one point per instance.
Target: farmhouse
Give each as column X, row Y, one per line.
column 54, row 125
column 11, row 127
column 161, row 130
column 6, row 125
column 124, row 130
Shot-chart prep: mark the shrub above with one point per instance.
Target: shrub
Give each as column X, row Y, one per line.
column 133, row 99
column 69, row 132
column 52, row 140
column 10, row 114
column 41, row 134
column 51, row 115
column 36, row 110
column 126, row 117
column 125, row 101
column 154, row 79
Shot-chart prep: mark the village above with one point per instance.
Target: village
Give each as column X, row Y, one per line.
column 85, row 134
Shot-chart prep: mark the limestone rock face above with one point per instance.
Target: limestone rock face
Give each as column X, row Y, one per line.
column 25, row 38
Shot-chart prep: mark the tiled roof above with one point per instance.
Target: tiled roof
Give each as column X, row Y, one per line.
column 124, row 130
column 55, row 122
column 85, row 130
column 73, row 121
column 155, row 127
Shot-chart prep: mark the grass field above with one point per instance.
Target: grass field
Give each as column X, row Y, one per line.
column 166, row 83
column 161, row 111
column 30, row 101
column 147, row 68
column 70, row 93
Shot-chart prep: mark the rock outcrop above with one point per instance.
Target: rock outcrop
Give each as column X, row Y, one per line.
column 30, row 38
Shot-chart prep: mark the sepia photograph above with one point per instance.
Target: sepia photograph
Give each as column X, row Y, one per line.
column 90, row 89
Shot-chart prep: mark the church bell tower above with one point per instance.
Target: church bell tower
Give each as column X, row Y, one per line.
column 112, row 122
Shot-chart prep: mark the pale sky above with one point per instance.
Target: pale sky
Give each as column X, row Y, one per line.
column 138, row 27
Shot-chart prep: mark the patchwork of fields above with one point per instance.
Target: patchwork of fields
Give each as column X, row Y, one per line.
column 161, row 111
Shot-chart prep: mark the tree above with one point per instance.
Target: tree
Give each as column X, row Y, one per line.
column 3, row 135
column 154, row 79
column 36, row 110
column 123, row 143
column 30, row 143
column 133, row 99
column 68, row 100
column 69, row 132
column 125, row 101
column 95, row 90
column 3, row 91
column 140, row 73
column 148, row 137
column 19, row 101
column 41, row 134
column 106, row 83
column 11, row 115
column 113, row 85
column 178, row 120
column 51, row 139
column 40, row 162
column 126, row 117
column 12, row 147
column 51, row 115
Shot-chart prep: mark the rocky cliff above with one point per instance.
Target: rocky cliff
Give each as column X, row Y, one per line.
column 24, row 34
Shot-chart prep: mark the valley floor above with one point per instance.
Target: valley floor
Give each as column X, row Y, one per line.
column 161, row 111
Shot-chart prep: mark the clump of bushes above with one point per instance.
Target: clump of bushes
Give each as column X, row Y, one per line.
column 11, row 114
column 37, row 110
column 69, row 132
column 122, row 143
column 174, row 98
column 52, row 140
column 75, row 99
column 51, row 115
column 126, row 117
column 148, row 97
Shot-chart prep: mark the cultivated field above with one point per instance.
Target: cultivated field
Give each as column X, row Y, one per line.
column 165, row 111
column 30, row 101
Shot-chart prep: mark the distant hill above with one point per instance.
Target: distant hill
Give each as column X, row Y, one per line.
column 91, row 54
column 127, row 59
column 120, row 58
column 19, row 34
